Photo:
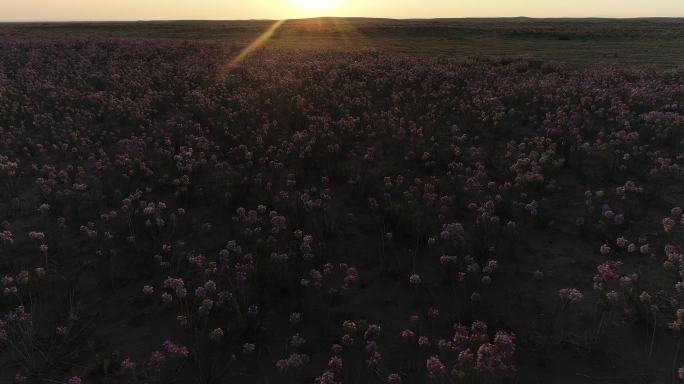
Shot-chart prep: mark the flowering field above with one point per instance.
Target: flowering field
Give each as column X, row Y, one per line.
column 628, row 42
column 172, row 215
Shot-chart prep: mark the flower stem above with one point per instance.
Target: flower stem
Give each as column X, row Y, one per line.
column 675, row 358
column 650, row 349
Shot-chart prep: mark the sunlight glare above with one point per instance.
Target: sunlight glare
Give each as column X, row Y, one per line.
column 314, row 5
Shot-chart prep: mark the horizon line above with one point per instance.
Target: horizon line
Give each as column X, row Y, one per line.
column 10, row 21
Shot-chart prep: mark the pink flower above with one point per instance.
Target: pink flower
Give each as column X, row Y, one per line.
column 407, row 334
column 668, row 224
column 423, row 342
column 570, row 295
column 435, row 367
column 372, row 331
column 166, row 297
column 335, row 363
column 176, row 350
column 347, row 340
column 75, row 380
column 156, row 360
column 23, row 277
column 349, row 326
column 605, row 249
column 127, row 365
column 281, row 365
column 216, row 335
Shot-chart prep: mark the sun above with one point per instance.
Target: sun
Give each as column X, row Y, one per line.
column 314, row 5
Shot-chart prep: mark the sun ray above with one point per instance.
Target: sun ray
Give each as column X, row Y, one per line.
column 256, row 44
column 351, row 36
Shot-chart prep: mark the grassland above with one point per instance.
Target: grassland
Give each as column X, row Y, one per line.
column 658, row 42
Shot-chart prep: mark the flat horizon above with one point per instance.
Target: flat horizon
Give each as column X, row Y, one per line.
column 345, row 17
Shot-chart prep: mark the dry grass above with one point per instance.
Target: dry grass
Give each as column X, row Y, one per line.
column 658, row 42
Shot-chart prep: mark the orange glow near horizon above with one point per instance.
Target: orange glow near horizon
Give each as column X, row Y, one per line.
column 314, row 5
column 123, row 10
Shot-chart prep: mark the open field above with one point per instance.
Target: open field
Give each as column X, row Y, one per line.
column 582, row 41
column 355, row 201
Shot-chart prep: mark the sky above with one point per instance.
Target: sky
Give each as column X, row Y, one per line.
column 76, row 10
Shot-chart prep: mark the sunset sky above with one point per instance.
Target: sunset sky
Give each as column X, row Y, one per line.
column 43, row 10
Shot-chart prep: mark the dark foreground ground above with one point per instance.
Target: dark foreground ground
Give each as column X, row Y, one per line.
column 361, row 201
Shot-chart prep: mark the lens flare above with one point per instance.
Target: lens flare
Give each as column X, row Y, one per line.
column 258, row 43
